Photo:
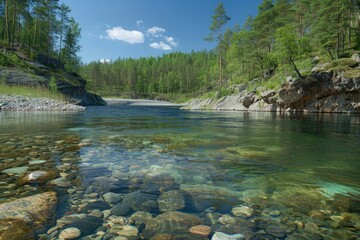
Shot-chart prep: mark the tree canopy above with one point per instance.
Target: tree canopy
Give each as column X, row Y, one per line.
column 42, row 28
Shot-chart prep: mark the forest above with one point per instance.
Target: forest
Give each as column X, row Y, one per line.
column 280, row 41
column 42, row 29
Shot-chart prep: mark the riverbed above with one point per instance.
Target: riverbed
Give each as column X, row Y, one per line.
column 151, row 172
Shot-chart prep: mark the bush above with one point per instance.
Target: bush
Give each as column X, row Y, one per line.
column 53, row 85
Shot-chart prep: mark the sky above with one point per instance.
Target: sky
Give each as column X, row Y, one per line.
column 112, row 29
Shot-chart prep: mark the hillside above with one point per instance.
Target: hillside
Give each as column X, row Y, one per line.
column 16, row 69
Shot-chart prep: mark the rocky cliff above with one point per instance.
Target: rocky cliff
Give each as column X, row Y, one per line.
column 31, row 73
column 322, row 91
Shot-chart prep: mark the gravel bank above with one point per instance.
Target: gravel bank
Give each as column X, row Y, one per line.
column 139, row 102
column 21, row 103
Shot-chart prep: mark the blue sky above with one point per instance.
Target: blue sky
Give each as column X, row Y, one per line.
column 114, row 29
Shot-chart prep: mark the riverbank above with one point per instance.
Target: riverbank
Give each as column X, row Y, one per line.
column 139, row 102
column 22, row 103
column 320, row 92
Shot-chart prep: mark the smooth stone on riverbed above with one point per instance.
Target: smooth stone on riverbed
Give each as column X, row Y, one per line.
column 15, row 171
column 223, row 236
column 112, row 197
column 61, row 182
column 171, row 201
column 242, row 211
column 140, row 218
column 35, row 162
column 37, row 176
column 128, row 231
column 202, row 230
column 70, row 233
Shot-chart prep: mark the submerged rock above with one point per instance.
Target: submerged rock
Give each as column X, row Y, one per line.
column 69, row 233
column 170, row 222
column 202, row 197
column 171, row 201
column 86, row 225
column 20, row 218
column 61, row 182
column 15, row 171
column 202, row 230
column 223, row 236
column 37, row 176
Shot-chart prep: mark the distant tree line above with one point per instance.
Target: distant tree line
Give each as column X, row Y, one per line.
column 283, row 32
column 41, row 27
column 146, row 77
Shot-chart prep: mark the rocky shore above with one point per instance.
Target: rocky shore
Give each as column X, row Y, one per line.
column 322, row 91
column 21, row 103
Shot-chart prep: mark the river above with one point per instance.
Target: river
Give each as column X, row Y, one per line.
column 262, row 175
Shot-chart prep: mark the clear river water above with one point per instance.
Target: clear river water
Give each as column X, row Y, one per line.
column 247, row 175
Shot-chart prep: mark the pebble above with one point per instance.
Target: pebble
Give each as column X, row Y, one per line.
column 112, row 197
column 125, row 231
column 202, row 230
column 35, row 162
column 118, row 220
column 69, row 233
column 223, row 236
column 242, row 211
column 226, row 219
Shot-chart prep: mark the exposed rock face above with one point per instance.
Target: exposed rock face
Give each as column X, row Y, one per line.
column 319, row 92
column 322, row 92
column 20, row 218
column 68, row 84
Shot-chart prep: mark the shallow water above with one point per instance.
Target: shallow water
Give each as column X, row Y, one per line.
column 304, row 167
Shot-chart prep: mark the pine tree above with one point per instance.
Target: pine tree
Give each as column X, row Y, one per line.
column 219, row 20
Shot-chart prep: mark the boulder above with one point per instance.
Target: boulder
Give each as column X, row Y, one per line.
column 20, row 218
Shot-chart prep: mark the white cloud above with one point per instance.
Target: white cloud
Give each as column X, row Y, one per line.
column 156, row 31
column 161, row 45
column 171, row 41
column 139, row 23
column 118, row 33
column 103, row 60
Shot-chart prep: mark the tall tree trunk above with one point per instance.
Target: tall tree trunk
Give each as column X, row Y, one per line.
column 7, row 22
column 35, row 34
column 13, row 25
column 19, row 29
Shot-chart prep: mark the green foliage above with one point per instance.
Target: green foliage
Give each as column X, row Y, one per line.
column 344, row 62
column 53, row 85
column 288, row 46
column 38, row 28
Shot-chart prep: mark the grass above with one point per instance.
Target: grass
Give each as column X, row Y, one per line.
column 33, row 92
